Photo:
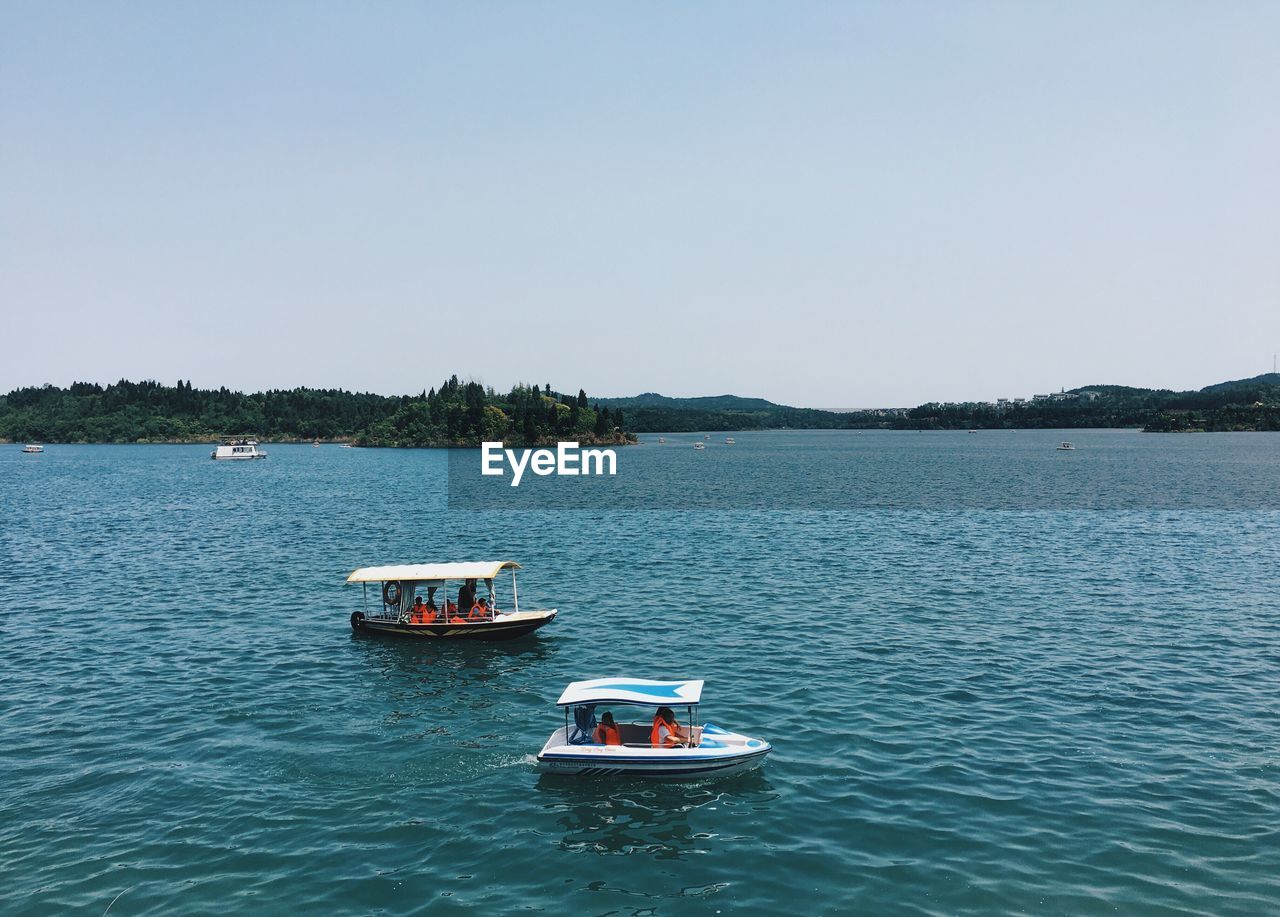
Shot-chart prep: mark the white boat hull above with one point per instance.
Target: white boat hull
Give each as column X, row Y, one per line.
column 719, row 754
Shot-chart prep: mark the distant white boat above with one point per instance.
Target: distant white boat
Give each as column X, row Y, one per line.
column 33, row 448
column 662, row 439
column 706, row 435
column 238, row 450
column 316, row 444
column 1066, row 447
column 699, row 446
column 729, row 441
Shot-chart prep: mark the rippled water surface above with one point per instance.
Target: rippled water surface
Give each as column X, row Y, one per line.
column 973, row 710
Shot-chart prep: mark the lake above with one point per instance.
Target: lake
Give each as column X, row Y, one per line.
column 997, row 677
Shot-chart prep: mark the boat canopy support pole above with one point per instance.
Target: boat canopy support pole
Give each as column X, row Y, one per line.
column 515, row 596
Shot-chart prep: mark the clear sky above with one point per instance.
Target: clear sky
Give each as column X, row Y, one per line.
column 826, row 204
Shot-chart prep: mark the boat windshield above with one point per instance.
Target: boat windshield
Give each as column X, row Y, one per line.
column 580, row 724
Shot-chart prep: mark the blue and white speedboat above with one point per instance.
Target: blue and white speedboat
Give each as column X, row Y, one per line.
column 578, row 748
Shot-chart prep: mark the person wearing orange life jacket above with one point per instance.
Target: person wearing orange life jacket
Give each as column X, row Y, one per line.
column 417, row 611
column 479, row 611
column 607, row 732
column 666, row 731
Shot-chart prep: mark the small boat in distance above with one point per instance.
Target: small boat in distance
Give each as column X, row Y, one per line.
column 706, row 435
column 1065, row 447
column 729, row 441
column 238, row 450
column 316, row 444
column 662, row 439
column 404, row 613
column 33, row 448
column 702, row 752
column 699, row 446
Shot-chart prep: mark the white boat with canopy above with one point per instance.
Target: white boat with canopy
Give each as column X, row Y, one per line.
column 660, row 747
column 408, row 604
column 238, row 450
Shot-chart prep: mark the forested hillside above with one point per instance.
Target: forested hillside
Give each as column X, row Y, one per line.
column 457, row 414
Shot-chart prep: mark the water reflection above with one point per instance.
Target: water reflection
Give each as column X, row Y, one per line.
column 668, row 821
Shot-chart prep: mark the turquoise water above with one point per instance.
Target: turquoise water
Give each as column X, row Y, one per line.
column 1039, row 710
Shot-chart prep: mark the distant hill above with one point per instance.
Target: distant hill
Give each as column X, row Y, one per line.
column 1266, row 380
column 703, row 403
column 654, row 413
column 1243, row 404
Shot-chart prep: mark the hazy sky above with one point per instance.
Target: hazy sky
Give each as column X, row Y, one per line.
column 827, row 204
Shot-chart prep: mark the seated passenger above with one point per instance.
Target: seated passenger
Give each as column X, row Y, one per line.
column 417, row 612
column 479, row 611
column 666, row 731
column 607, row 732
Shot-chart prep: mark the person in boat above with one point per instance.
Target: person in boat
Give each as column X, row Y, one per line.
column 422, row 614
column 467, row 594
column 607, row 731
column 479, row 611
column 666, row 732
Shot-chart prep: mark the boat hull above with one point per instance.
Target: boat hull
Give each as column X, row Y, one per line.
column 659, row 768
column 512, row 627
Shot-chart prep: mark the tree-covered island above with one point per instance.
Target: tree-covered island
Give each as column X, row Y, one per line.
column 456, row 414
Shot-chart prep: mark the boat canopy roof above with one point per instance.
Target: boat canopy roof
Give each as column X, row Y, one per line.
column 476, row 569
column 640, row 692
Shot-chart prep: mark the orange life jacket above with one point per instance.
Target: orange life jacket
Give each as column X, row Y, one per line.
column 478, row 613
column 456, row 620
column 427, row 617
column 672, row 739
column 607, row 735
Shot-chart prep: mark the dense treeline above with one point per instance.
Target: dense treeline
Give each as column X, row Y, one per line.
column 465, row 413
column 692, row 420
column 458, row 414
column 1247, row 404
